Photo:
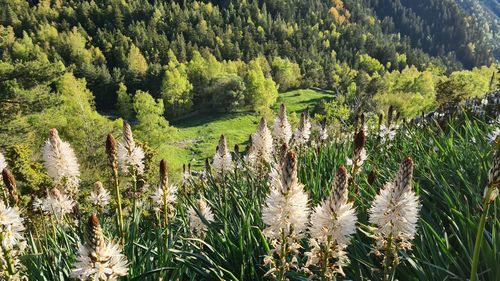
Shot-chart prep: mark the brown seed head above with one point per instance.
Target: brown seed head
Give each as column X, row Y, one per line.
column 222, row 147
column 95, row 237
column 164, row 173
column 402, row 183
column 128, row 137
column 359, row 141
column 339, row 188
column 289, row 171
column 282, row 113
column 112, row 151
column 390, row 112
column 262, row 125
column 372, row 176
column 10, row 183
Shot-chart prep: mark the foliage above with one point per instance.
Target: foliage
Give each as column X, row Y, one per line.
column 286, row 74
column 124, row 102
column 176, row 88
column 410, row 91
column 227, row 92
column 149, row 113
column 261, row 92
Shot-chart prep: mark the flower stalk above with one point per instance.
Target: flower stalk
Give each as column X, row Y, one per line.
column 490, row 194
column 112, row 152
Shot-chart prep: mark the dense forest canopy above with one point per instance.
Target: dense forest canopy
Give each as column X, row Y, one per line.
column 108, row 42
column 156, row 62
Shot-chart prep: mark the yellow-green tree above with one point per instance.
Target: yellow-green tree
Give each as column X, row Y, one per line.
column 176, row 89
column 261, row 92
column 286, row 73
column 137, row 64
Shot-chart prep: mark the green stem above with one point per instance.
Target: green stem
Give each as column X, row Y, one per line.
column 388, row 260
column 479, row 235
column 119, row 203
column 8, row 258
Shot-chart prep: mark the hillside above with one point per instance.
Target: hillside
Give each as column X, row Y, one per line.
column 109, row 42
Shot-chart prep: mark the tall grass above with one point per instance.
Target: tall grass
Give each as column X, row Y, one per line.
column 451, row 170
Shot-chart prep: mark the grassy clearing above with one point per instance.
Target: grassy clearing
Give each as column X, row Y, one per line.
column 197, row 136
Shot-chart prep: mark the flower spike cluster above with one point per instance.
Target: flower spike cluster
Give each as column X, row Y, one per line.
column 303, row 132
column 165, row 196
column 333, row 223
column 282, row 130
column 286, row 215
column 359, row 154
column 60, row 161
column 261, row 151
column 198, row 227
column 222, row 162
column 100, row 197
column 394, row 212
column 12, row 242
column 130, row 155
column 98, row 259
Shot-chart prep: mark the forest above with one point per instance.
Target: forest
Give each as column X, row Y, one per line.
column 397, row 78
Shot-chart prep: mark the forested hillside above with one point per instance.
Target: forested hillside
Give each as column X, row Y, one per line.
column 157, row 63
column 108, row 42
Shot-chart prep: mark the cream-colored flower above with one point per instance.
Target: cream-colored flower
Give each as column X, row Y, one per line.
column 100, row 197
column 13, row 241
column 99, row 259
column 196, row 223
column 222, row 162
column 130, row 155
column 60, row 161
column 333, row 223
column 56, row 204
column 282, row 130
column 303, row 132
column 395, row 210
column 3, row 163
column 262, row 147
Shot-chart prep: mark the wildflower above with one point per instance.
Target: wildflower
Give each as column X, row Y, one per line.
column 98, row 259
column 262, row 146
column 186, row 174
column 333, row 223
column 112, row 152
column 100, row 196
column 303, row 132
column 196, row 223
column 61, row 164
column 12, row 241
column 492, row 137
column 56, row 203
column 323, row 133
column 165, row 193
column 10, row 184
column 394, row 212
column 387, row 134
column 285, row 213
column 222, row 162
column 3, row 163
column 359, row 155
column 282, row 131
column 130, row 155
